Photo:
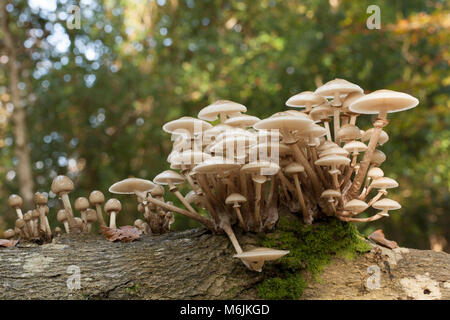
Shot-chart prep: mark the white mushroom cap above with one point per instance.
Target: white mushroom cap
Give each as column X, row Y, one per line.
column 191, row 197
column 62, row 184
column 375, row 173
column 61, row 216
column 326, row 145
column 235, row 198
column 294, row 167
column 386, row 204
column 330, row 193
column 211, row 112
column 216, row 165
column 355, row 146
column 242, row 121
column 383, row 101
column 261, row 167
column 81, row 204
column 131, row 185
column 349, row 132
column 384, row 137
column 336, row 151
column 341, row 86
column 332, row 160
column 350, row 98
column 378, row 157
column 189, row 158
column 269, row 148
column 113, row 205
column 186, row 126
column 40, row 198
column 384, row 183
column 256, row 257
column 15, row 201
column 168, row 176
column 321, row 112
column 304, row 99
column 355, row 205
column 283, row 122
column 96, row 197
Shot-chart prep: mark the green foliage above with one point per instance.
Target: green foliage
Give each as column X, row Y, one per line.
column 311, row 248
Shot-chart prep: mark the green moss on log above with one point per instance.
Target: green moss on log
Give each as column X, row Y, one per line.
column 311, row 248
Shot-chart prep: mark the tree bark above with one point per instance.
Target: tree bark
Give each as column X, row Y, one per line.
column 196, row 264
column 21, row 148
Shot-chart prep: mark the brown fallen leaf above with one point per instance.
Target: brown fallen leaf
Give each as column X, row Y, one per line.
column 123, row 234
column 8, row 243
column 378, row 237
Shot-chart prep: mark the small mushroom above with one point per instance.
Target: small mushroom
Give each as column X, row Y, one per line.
column 221, row 109
column 295, row 169
column 255, row 258
column 15, row 201
column 9, row 234
column 356, row 206
column 57, row 231
column 96, row 198
column 331, row 195
column 81, row 204
column 62, row 186
column 143, row 226
column 386, row 205
column 112, row 208
column 20, row 224
column 40, row 200
column 91, row 217
column 172, row 178
column 36, row 216
column 236, row 199
column 61, row 216
column 27, row 217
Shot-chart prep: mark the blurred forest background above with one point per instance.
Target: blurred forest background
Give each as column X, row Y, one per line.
column 90, row 102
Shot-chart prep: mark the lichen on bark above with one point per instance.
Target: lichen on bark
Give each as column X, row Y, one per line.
column 311, row 248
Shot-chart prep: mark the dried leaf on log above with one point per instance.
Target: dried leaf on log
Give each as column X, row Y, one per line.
column 123, row 234
column 8, row 243
column 378, row 237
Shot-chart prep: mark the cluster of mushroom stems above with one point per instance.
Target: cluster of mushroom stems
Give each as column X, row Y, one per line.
column 34, row 225
column 317, row 162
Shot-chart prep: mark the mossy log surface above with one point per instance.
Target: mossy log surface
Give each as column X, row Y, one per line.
column 196, row 264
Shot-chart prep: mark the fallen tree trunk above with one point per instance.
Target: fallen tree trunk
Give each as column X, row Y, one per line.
column 195, row 264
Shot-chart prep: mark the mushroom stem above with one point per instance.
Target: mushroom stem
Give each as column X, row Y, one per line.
column 326, row 124
column 304, row 162
column 112, row 220
column 72, row 223
column 336, row 123
column 48, row 230
column 283, row 185
column 243, row 183
column 206, row 222
column 318, row 168
column 364, row 165
column 239, row 215
column 19, row 213
column 225, row 225
column 257, row 203
column 377, row 197
column 350, row 219
column 180, row 197
column 306, row 217
column 98, row 208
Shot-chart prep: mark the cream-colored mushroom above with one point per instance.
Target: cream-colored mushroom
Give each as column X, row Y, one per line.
column 62, row 186
column 112, row 208
column 255, row 258
column 96, row 198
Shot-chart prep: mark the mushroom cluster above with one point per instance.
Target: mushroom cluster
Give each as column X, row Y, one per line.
column 317, row 162
column 34, row 225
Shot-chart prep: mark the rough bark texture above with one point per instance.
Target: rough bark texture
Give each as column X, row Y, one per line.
column 198, row 265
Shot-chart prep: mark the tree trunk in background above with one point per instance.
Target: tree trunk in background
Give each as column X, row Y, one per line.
column 21, row 148
column 195, row 264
